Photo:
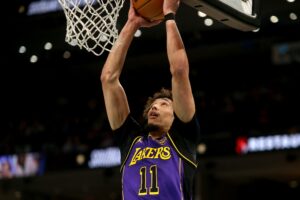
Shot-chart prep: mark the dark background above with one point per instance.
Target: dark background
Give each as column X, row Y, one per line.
column 245, row 84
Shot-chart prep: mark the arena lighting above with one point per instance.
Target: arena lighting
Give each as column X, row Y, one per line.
column 138, row 33
column 246, row 145
column 80, row 159
column 43, row 6
column 46, row 6
column 201, row 148
column 239, row 14
column 109, row 157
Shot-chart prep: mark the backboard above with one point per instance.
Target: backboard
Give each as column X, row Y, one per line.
column 239, row 14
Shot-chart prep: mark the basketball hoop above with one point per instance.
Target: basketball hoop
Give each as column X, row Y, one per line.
column 91, row 24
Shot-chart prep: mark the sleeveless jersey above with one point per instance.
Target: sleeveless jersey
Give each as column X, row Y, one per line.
column 158, row 169
column 153, row 170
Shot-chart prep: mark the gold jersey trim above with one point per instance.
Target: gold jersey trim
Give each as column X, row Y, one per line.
column 176, row 149
column 134, row 141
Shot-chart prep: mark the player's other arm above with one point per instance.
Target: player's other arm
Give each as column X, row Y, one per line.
column 115, row 99
column 183, row 100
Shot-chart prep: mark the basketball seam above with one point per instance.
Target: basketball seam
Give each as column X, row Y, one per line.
column 143, row 5
column 156, row 15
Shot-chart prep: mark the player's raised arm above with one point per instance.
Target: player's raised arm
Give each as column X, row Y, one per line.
column 183, row 100
column 115, row 99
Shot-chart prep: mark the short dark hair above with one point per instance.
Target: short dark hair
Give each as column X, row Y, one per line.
column 163, row 93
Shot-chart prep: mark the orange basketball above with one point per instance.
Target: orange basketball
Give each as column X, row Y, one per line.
column 149, row 9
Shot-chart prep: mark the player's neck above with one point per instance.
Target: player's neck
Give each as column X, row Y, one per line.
column 156, row 134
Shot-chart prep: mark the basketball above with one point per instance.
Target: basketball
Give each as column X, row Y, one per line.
column 149, row 9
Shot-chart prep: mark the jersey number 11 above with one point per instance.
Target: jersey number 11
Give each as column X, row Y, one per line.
column 154, row 189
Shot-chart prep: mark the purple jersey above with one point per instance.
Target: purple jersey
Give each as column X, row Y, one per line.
column 153, row 170
column 158, row 169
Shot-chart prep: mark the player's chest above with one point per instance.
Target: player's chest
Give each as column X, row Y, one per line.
column 149, row 152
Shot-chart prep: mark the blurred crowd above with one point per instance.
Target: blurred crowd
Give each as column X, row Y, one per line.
column 68, row 124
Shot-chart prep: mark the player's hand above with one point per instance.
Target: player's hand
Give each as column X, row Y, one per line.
column 171, row 6
column 134, row 17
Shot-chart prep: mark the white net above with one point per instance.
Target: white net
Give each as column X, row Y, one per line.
column 91, row 24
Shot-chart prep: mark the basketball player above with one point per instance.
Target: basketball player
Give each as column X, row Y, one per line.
column 159, row 161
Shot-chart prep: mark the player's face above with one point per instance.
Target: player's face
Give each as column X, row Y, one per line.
column 161, row 113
